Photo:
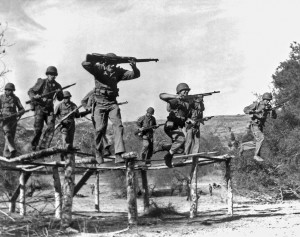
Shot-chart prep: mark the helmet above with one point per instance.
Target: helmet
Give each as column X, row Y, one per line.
column 111, row 55
column 67, row 94
column 10, row 86
column 267, row 96
column 51, row 70
column 150, row 110
column 182, row 86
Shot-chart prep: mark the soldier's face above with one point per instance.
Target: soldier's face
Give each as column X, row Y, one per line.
column 67, row 99
column 8, row 92
column 111, row 67
column 51, row 77
column 184, row 92
column 148, row 114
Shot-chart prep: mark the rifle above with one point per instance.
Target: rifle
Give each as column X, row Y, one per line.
column 84, row 113
column 191, row 97
column 65, row 117
column 14, row 115
column 141, row 133
column 49, row 93
column 190, row 123
column 102, row 58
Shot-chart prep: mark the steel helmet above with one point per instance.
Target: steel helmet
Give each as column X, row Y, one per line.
column 182, row 86
column 112, row 55
column 67, row 94
column 10, row 86
column 267, row 96
column 51, row 70
column 150, row 110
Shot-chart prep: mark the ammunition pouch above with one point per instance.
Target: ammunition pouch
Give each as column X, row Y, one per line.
column 107, row 92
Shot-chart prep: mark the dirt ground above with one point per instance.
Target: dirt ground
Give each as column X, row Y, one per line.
column 249, row 219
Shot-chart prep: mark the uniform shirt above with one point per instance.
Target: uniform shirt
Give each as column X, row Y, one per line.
column 63, row 109
column 145, row 121
column 43, row 86
column 106, row 89
column 179, row 111
column 10, row 104
column 260, row 117
column 196, row 111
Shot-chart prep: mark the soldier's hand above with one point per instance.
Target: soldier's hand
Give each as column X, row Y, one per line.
column 180, row 96
column 44, row 99
column 58, row 90
column 37, row 96
column 132, row 63
column 141, row 129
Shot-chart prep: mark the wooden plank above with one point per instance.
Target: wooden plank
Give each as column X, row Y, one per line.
column 88, row 173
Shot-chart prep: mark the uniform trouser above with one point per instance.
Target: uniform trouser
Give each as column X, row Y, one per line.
column 9, row 129
column 67, row 131
column 104, row 144
column 192, row 143
column 41, row 117
column 147, row 149
column 177, row 137
column 258, row 136
column 101, row 116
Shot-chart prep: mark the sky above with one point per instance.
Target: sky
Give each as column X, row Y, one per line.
column 229, row 45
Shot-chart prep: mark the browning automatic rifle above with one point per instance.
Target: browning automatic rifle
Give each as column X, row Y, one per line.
column 102, row 58
column 67, row 116
column 190, row 123
column 14, row 115
column 141, row 133
column 191, row 97
column 49, row 93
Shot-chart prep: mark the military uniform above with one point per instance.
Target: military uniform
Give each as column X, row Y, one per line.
column 67, row 127
column 147, row 136
column 44, row 111
column 105, row 94
column 260, row 112
column 9, row 106
column 192, row 143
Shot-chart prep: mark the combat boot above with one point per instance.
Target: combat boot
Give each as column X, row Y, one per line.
column 99, row 157
column 258, row 158
column 168, row 160
column 119, row 158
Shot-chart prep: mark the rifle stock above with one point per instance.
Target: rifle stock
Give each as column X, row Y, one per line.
column 14, row 115
column 64, row 118
column 140, row 133
column 95, row 57
column 49, row 93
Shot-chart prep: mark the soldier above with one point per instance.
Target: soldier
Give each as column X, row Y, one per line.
column 179, row 110
column 107, row 76
column 67, row 127
column 143, row 123
column 44, row 108
column 260, row 111
column 88, row 102
column 10, row 103
column 192, row 143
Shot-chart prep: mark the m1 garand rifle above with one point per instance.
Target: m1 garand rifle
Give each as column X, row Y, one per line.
column 18, row 114
column 191, row 97
column 67, row 116
column 191, row 123
column 102, row 58
column 49, row 93
column 140, row 133
column 89, row 111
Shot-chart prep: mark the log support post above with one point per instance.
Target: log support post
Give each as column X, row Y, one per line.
column 22, row 194
column 145, row 191
column 87, row 174
column 68, row 188
column 228, row 183
column 57, row 192
column 131, row 191
column 193, row 189
column 97, row 192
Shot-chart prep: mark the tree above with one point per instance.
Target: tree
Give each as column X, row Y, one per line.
column 3, row 46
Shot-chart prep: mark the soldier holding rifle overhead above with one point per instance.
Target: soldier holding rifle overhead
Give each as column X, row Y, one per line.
column 107, row 76
column 10, row 103
column 42, row 103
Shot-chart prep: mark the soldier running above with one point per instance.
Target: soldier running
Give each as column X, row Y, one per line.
column 107, row 76
column 260, row 111
column 144, row 122
column 10, row 103
column 67, row 127
column 178, row 115
column 43, row 108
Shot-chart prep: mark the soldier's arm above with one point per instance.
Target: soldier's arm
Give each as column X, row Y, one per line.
column 85, row 101
column 57, row 111
column 19, row 106
column 76, row 113
column 92, row 67
column 36, row 89
column 139, row 122
column 168, row 97
column 129, row 75
column 59, row 93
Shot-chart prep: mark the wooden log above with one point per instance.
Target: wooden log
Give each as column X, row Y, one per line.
column 97, row 197
column 12, row 205
column 57, row 193
column 68, row 191
column 193, row 189
column 22, row 194
column 145, row 191
column 88, row 173
column 131, row 192
column 228, row 183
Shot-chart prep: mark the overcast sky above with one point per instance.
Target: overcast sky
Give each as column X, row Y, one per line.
column 232, row 45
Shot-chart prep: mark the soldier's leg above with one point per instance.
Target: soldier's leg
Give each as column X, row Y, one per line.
column 145, row 148
column 196, row 140
column 150, row 151
column 38, row 128
column 188, row 141
column 115, row 117
column 259, row 138
column 49, row 132
column 9, row 147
